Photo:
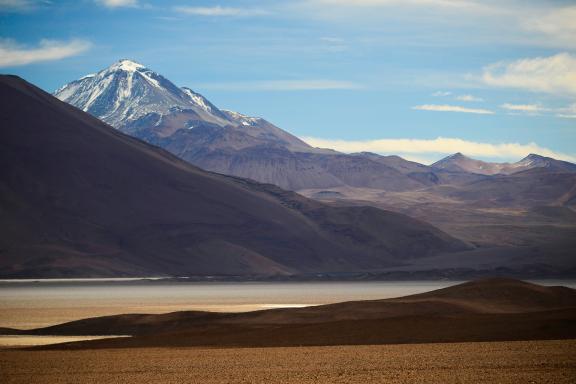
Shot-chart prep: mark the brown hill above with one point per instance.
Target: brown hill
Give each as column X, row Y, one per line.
column 79, row 198
column 293, row 170
column 491, row 309
column 505, row 295
column 424, row 174
column 529, row 188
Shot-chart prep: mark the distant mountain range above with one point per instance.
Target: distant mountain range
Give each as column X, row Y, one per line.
column 528, row 205
column 521, row 215
column 144, row 104
column 460, row 163
column 79, row 198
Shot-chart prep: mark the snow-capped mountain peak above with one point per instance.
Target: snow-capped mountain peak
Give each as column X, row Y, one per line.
column 138, row 101
column 126, row 65
column 127, row 91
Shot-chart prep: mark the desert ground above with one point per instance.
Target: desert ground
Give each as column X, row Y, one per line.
column 495, row 362
column 491, row 330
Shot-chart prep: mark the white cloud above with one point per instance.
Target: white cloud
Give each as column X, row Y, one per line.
column 469, row 98
column 452, row 108
column 524, row 107
column 440, row 145
column 221, row 11
column 283, row 85
column 441, row 93
column 554, row 74
column 13, row 54
column 568, row 112
column 558, row 25
column 118, row 3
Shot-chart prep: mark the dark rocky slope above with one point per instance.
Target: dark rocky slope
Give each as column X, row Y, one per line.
column 79, row 198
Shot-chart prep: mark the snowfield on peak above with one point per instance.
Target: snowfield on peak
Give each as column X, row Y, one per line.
column 126, row 65
column 199, row 100
column 138, row 101
column 127, row 92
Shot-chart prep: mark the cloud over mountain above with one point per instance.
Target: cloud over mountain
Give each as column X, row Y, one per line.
column 440, row 145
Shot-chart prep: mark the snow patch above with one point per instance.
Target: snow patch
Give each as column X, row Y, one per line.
column 59, row 91
column 150, row 79
column 126, row 65
column 242, row 119
column 99, row 88
column 197, row 99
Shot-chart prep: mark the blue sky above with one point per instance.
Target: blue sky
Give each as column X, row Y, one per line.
column 421, row 78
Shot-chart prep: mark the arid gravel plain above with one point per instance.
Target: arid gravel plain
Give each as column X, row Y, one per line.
column 489, row 362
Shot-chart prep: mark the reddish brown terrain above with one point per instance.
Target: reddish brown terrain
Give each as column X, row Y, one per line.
column 435, row 337
column 485, row 310
column 496, row 362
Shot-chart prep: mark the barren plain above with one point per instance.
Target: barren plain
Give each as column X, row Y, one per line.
column 492, row 362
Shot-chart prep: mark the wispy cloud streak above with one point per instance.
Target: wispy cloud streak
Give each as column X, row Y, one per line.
column 534, row 108
column 469, row 98
column 14, row 54
column 219, row 11
column 118, row 3
column 452, row 108
column 440, row 145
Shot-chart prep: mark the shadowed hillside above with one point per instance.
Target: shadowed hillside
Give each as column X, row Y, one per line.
column 484, row 310
column 79, row 198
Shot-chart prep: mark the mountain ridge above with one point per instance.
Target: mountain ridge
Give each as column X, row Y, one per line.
column 458, row 162
column 80, row 198
column 228, row 142
column 184, row 122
